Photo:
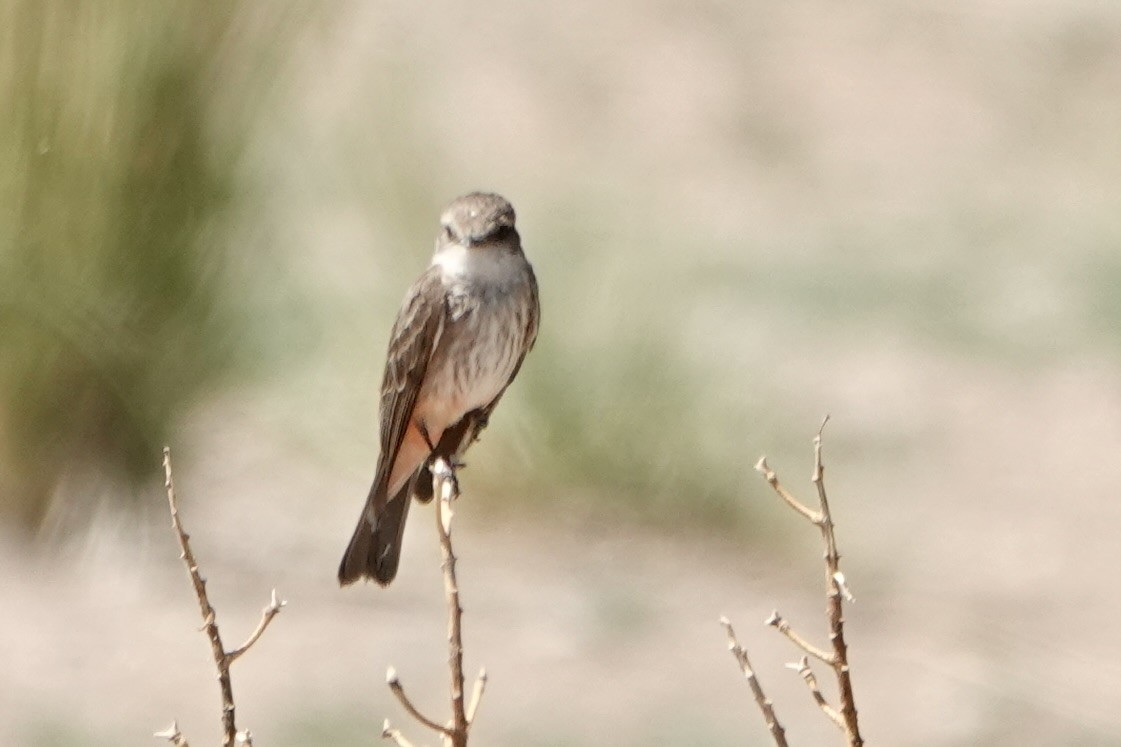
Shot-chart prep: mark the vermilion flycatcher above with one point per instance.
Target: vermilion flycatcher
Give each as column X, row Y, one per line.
column 459, row 339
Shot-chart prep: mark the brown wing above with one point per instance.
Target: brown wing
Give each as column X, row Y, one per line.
column 415, row 335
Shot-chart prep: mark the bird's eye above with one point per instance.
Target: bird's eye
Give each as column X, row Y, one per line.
column 500, row 233
column 448, row 233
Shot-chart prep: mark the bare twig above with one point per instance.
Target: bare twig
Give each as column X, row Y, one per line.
column 222, row 658
column 445, row 487
column 173, row 735
column 770, row 476
column 778, row 734
column 271, row 610
column 836, row 592
column 802, row 667
column 476, row 695
column 779, row 622
column 229, row 729
column 443, row 477
column 398, row 690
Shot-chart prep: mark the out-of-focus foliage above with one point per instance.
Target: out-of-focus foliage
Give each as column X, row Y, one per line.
column 737, row 214
column 112, row 314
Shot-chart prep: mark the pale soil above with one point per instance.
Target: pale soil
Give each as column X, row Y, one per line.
column 984, row 579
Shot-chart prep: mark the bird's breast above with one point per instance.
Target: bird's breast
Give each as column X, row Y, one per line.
column 481, row 342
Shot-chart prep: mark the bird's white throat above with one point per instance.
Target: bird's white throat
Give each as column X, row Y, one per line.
column 456, row 261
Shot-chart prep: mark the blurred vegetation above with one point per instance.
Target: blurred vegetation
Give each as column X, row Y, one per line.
column 727, row 222
column 113, row 315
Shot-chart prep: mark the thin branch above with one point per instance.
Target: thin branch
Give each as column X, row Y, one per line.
column 770, row 476
column 778, row 734
column 398, row 689
column 173, row 735
column 476, row 695
column 271, row 610
column 210, row 625
column 231, row 737
column 832, row 557
column 837, row 590
column 778, row 621
column 836, row 593
column 445, row 487
column 839, row 578
column 802, row 667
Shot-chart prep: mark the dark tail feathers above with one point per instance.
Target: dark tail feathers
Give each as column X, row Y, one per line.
column 374, row 551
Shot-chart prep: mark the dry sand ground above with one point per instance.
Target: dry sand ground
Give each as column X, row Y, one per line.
column 978, row 620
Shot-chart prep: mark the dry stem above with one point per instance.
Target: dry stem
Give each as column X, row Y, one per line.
column 476, row 695
column 445, row 487
column 836, row 593
column 764, row 703
column 802, row 667
column 444, row 478
column 779, row 622
column 222, row 658
column 173, row 735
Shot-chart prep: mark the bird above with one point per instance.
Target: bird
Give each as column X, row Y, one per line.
column 458, row 341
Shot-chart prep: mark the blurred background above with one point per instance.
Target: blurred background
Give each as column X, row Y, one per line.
column 742, row 216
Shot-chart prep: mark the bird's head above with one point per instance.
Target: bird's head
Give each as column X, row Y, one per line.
column 478, row 220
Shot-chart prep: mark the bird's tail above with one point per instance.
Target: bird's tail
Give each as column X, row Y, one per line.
column 375, row 548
